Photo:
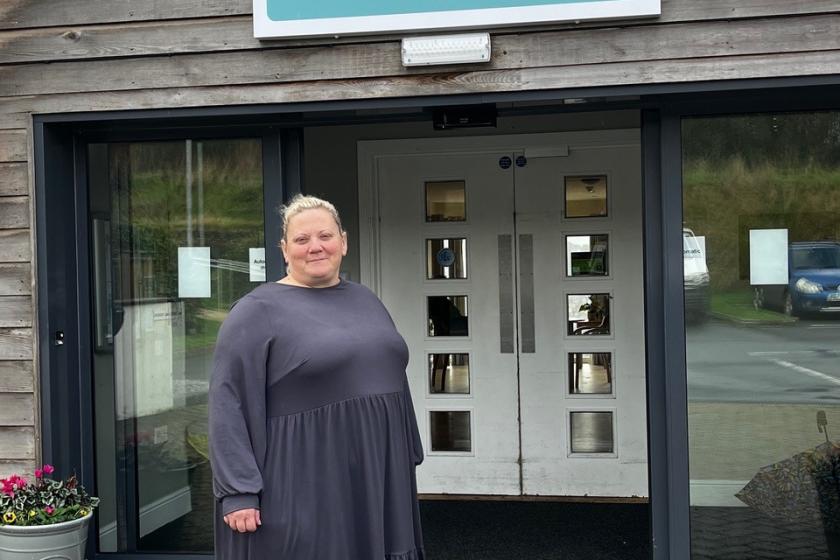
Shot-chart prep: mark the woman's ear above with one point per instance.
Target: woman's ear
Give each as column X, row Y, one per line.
column 343, row 243
column 282, row 246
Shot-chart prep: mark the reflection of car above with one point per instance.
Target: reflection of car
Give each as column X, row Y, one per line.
column 695, row 277
column 814, row 280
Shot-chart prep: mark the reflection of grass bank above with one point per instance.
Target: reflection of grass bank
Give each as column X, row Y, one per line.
column 725, row 198
column 738, row 306
column 207, row 329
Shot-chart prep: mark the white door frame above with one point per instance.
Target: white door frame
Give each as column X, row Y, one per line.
column 533, row 147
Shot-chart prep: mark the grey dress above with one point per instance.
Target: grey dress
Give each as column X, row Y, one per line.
column 311, row 422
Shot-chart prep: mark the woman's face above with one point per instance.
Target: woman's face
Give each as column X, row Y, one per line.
column 313, row 248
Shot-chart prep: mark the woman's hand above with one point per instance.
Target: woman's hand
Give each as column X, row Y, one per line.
column 243, row 520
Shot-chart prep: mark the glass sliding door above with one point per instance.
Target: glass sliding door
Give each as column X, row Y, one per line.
column 177, row 235
column 761, row 236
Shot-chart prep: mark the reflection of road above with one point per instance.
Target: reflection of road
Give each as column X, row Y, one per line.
column 797, row 363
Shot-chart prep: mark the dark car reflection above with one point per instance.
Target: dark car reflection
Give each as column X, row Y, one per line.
column 814, row 281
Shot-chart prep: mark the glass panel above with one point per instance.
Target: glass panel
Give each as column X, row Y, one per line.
column 592, row 432
column 586, row 197
column 586, row 255
column 449, row 373
column 450, row 430
column 588, row 314
column 172, row 227
column 446, row 201
column 448, row 316
column 590, row 373
column 762, row 224
column 446, row 258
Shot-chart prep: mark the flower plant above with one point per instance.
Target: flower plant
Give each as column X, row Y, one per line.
column 44, row 500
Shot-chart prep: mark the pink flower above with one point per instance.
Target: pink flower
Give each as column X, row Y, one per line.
column 49, row 510
column 39, row 473
column 48, row 469
column 14, row 481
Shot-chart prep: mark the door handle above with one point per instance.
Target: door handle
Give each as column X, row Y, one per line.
column 506, row 341
column 526, row 293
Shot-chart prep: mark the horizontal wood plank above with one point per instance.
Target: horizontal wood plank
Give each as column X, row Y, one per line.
column 17, row 442
column 19, row 14
column 15, row 344
column 17, row 409
column 694, row 10
column 17, row 377
column 14, row 212
column 14, row 179
column 585, row 76
column 15, row 280
column 137, row 39
column 12, row 145
column 236, row 33
column 561, row 48
column 23, row 14
column 15, row 120
column 15, row 246
column 15, row 311
column 22, row 468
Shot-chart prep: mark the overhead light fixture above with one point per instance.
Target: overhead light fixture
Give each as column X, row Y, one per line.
column 446, row 49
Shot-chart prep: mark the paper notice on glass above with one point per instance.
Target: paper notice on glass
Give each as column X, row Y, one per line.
column 193, row 272
column 768, row 257
column 256, row 268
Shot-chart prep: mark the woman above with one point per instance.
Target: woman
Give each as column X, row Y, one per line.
column 313, row 437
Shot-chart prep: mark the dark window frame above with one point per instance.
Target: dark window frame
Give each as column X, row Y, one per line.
column 63, row 296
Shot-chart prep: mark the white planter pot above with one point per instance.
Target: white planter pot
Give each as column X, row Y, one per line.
column 62, row 541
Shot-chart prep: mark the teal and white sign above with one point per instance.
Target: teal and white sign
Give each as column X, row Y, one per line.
column 301, row 18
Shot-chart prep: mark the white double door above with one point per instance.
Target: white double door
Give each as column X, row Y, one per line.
column 512, row 265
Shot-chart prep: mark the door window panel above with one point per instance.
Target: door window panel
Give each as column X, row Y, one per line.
column 446, row 201
column 761, row 215
column 591, row 432
column 588, row 314
column 449, row 373
column 590, row 373
column 446, row 258
column 173, row 225
column 587, row 255
column 450, row 430
column 447, row 316
column 586, row 197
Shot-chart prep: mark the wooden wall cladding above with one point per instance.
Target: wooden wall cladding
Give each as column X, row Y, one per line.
column 585, row 48
column 13, row 147
column 15, row 344
column 13, row 178
column 17, row 376
column 10, row 467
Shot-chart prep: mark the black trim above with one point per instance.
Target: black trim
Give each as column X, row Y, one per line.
column 261, row 111
column 658, row 474
column 673, row 324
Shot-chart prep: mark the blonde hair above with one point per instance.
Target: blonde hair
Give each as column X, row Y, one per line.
column 302, row 202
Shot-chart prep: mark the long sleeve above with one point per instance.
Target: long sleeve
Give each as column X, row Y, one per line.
column 237, row 411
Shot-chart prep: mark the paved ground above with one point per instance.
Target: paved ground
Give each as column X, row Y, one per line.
column 741, row 534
